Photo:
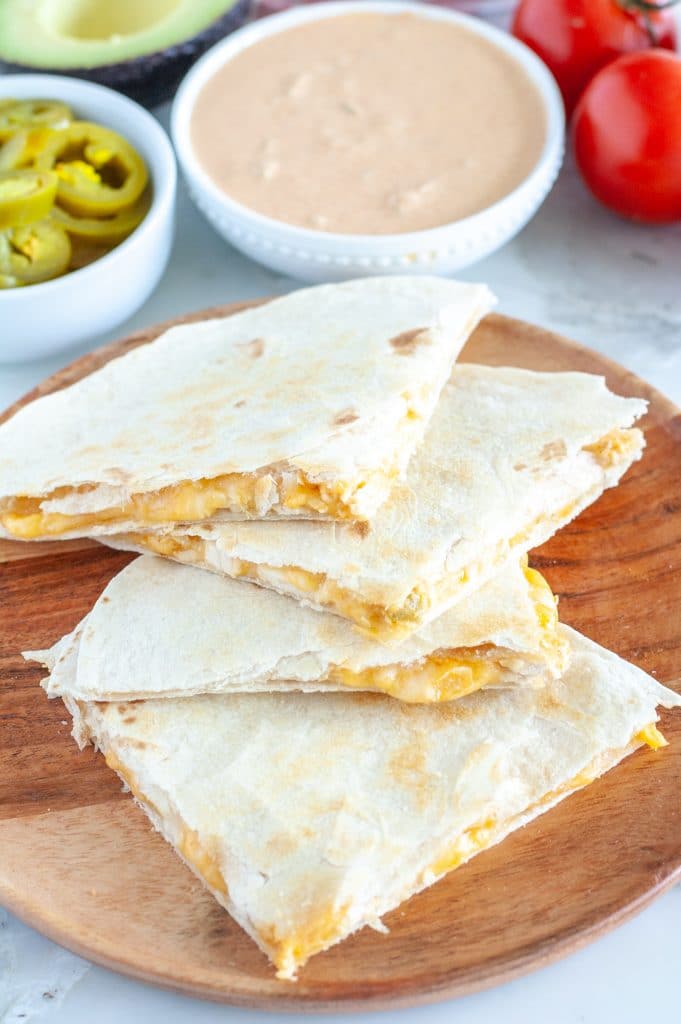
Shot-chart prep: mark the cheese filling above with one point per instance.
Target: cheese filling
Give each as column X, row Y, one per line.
column 191, row 849
column 286, row 952
column 485, row 834
column 195, row 500
column 291, row 951
column 189, row 845
column 442, row 676
column 190, row 501
column 375, row 620
column 327, row 928
column 614, row 447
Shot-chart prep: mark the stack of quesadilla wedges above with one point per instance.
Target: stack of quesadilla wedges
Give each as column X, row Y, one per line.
column 331, row 676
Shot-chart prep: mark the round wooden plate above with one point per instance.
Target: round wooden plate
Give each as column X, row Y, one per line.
column 80, row 862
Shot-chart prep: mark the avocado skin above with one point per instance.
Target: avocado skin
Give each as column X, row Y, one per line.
column 152, row 78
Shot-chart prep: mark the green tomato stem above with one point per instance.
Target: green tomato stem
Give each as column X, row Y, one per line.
column 645, row 8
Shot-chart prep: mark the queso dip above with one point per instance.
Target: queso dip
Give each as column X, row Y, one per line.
column 369, row 123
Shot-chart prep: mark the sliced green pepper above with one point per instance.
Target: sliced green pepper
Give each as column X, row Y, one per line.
column 34, row 253
column 26, row 196
column 107, row 230
column 16, row 114
column 99, row 172
column 7, row 281
column 22, row 148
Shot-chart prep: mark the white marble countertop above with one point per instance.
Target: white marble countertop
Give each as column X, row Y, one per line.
column 576, row 269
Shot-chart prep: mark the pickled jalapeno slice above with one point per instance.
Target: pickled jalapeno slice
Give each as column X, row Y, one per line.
column 107, row 230
column 26, row 196
column 16, row 114
column 34, row 252
column 99, row 172
column 23, row 147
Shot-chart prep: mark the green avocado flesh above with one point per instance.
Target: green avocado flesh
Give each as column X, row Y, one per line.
column 91, row 33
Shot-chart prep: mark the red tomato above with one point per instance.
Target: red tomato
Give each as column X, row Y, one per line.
column 578, row 37
column 626, row 135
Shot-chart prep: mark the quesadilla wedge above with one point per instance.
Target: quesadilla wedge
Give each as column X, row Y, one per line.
column 309, row 405
column 510, row 456
column 309, row 816
column 165, row 630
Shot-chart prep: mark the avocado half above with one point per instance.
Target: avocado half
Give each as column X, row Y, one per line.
column 142, row 48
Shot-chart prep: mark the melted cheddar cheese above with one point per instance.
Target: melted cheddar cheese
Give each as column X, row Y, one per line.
column 652, row 737
column 374, row 619
column 612, row 448
column 291, row 952
column 470, row 842
column 442, row 676
column 190, row 847
column 189, row 501
column 371, row 617
column 485, row 834
column 382, row 622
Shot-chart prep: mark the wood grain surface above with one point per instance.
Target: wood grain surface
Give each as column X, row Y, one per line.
column 80, row 862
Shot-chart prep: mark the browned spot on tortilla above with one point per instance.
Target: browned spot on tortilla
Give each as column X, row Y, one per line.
column 135, row 744
column 281, row 845
column 105, row 599
column 122, row 708
column 129, row 719
column 547, row 704
column 254, row 348
column 553, row 450
column 111, row 473
column 200, row 425
column 520, row 465
column 410, row 760
column 406, row 343
column 344, row 417
column 361, row 529
column 240, row 403
column 409, row 770
column 453, row 710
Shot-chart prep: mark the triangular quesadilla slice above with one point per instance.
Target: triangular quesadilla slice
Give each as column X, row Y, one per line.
column 511, row 456
column 161, row 629
column 309, row 405
column 309, row 816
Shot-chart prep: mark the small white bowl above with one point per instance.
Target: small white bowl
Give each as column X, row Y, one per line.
column 325, row 256
column 42, row 319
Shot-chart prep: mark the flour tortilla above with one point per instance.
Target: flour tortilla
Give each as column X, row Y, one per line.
column 505, row 463
column 332, row 386
column 306, row 828
column 161, row 629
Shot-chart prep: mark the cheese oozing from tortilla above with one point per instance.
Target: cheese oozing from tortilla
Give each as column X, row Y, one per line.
column 378, row 622
column 194, row 500
column 477, row 838
column 451, row 674
column 375, row 823
column 443, row 675
column 286, row 952
column 290, row 952
column 26, row 518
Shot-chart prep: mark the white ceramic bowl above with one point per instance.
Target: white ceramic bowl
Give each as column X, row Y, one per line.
column 42, row 319
column 325, row 256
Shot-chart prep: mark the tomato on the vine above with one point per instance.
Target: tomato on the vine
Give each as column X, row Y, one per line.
column 576, row 38
column 627, row 136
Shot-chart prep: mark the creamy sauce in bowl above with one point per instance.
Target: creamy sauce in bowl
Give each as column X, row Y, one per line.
column 369, row 123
